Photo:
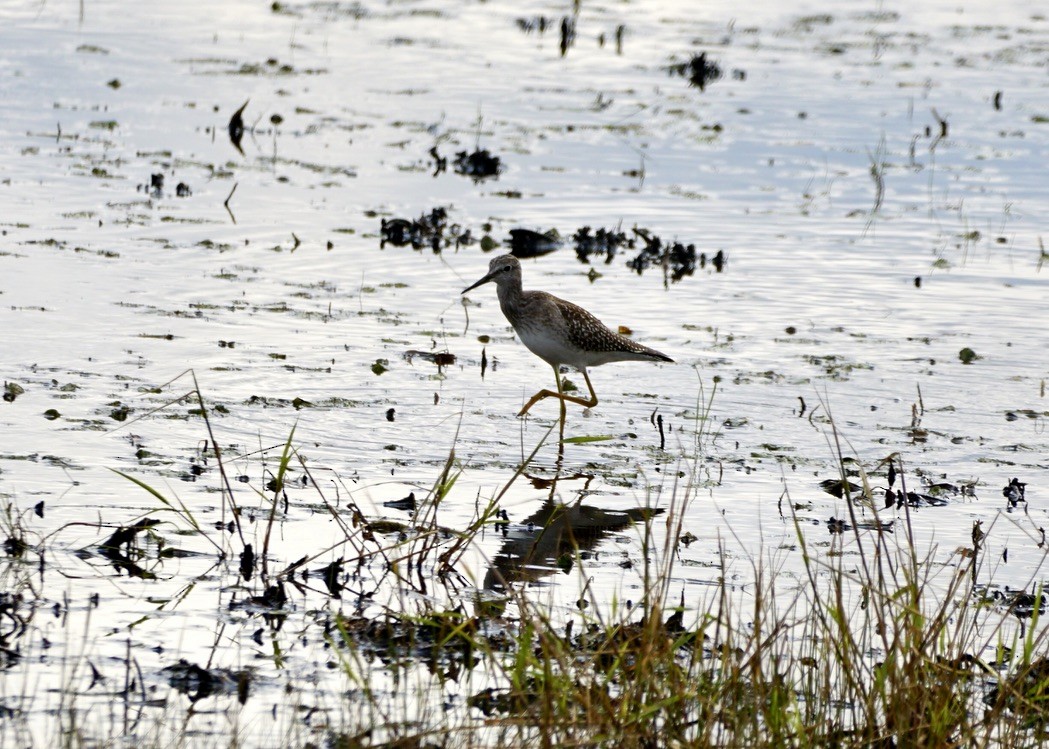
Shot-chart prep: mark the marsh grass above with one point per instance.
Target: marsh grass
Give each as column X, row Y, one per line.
column 871, row 640
column 884, row 652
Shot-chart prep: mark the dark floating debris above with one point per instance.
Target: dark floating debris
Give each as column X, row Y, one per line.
column 401, row 232
column 566, row 30
column 620, row 31
column 1019, row 603
column 331, row 575
column 912, row 499
column 532, row 25
column 430, row 230
column 440, row 163
column 942, row 122
column 567, row 34
column 657, row 420
column 601, row 242
column 678, row 258
column 941, row 488
column 155, row 188
column 236, row 127
column 124, row 536
column 525, row 243
column 407, row 504
column 440, row 358
column 14, row 546
column 123, row 552
column 839, row 488
column 968, row 356
column 272, row 600
column 247, row 562
column 837, row 526
column 478, row 165
column 11, row 391
column 698, row 70
column 197, row 682
column 933, row 494
column 434, row 230
column 1015, row 492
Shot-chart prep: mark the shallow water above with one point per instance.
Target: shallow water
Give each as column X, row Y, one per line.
column 109, row 291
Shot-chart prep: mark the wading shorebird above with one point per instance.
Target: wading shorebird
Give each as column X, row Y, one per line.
column 559, row 332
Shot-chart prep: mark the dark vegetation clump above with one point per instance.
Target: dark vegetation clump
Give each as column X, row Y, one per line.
column 698, row 70
column 680, row 260
column 677, row 259
column 601, row 242
column 429, row 230
column 525, row 243
column 478, row 165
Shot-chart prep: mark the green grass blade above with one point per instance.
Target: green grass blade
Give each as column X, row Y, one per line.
column 590, row 438
column 144, row 485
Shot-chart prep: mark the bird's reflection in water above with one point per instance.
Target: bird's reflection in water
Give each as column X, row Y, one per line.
column 552, row 537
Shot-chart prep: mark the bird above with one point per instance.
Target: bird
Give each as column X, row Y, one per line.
column 559, row 332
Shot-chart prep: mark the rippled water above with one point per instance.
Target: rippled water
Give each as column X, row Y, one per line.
column 874, row 175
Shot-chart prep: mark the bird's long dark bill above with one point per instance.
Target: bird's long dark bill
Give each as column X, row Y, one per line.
column 484, row 280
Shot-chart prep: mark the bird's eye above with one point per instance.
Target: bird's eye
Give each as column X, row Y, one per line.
column 507, row 268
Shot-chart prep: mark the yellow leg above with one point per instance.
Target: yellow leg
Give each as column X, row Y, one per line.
column 564, row 409
column 562, row 397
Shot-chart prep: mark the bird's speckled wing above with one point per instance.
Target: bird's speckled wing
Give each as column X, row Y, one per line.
column 590, row 334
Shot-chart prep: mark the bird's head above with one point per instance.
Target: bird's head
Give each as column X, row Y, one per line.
column 502, row 270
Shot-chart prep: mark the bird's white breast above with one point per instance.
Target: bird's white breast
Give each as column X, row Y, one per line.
column 550, row 349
